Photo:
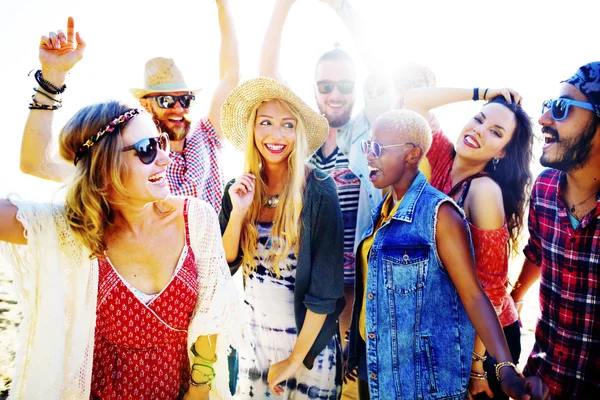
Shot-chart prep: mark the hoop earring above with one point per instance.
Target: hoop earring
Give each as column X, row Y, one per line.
column 495, row 162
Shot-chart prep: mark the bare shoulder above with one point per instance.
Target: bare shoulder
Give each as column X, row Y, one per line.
column 485, row 204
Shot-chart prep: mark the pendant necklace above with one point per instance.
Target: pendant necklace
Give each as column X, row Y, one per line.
column 272, row 201
column 572, row 209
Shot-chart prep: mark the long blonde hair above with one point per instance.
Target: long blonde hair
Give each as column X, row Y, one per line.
column 285, row 233
column 96, row 189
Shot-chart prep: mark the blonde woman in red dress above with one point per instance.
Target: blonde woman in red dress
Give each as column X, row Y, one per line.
column 487, row 174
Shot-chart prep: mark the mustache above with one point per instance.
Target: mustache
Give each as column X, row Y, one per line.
column 551, row 131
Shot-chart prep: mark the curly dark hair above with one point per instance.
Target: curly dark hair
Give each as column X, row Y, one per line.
column 513, row 173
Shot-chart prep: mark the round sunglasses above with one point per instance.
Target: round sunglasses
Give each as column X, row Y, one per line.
column 344, row 87
column 169, row 101
column 147, row 149
column 376, row 148
column 560, row 107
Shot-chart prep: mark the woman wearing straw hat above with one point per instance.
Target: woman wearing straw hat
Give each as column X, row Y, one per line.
column 282, row 223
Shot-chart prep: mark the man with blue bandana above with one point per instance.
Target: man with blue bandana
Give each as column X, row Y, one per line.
column 564, row 245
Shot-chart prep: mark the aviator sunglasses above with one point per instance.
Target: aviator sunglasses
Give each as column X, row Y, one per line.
column 376, row 148
column 147, row 149
column 560, row 107
column 169, row 101
column 344, row 87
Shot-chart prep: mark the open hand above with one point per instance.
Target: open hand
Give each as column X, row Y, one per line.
column 59, row 52
column 477, row 386
column 505, row 92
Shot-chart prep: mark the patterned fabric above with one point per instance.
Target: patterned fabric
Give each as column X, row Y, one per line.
column 491, row 251
column 271, row 333
column 196, row 171
column 587, row 80
column 140, row 350
column 348, row 190
column 566, row 354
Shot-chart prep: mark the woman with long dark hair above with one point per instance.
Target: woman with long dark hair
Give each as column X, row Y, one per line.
column 487, row 174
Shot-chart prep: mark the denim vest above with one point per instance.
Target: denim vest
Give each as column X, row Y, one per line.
column 348, row 141
column 419, row 337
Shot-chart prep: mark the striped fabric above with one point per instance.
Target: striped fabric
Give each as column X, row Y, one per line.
column 348, row 189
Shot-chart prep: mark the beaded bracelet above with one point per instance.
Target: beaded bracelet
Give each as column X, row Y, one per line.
column 477, row 357
column 47, row 85
column 501, row 365
column 476, row 375
column 201, row 385
column 37, row 106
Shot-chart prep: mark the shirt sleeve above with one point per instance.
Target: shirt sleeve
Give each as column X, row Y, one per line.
column 533, row 248
column 327, row 244
column 224, row 214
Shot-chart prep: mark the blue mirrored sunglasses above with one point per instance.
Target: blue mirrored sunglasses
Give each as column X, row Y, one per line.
column 560, row 107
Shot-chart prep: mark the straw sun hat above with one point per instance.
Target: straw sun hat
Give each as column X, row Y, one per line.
column 248, row 95
column 161, row 75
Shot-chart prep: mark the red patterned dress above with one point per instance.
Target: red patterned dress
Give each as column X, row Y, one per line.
column 140, row 350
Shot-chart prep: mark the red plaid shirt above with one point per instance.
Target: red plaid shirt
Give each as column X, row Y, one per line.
column 566, row 354
column 196, row 171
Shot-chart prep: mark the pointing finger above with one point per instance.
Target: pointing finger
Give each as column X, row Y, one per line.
column 70, row 30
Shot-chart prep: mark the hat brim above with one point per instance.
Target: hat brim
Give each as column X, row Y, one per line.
column 240, row 103
column 139, row 93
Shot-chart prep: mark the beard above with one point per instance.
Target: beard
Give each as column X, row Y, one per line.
column 578, row 149
column 337, row 121
column 174, row 134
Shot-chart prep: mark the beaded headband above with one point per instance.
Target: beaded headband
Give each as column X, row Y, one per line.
column 110, row 127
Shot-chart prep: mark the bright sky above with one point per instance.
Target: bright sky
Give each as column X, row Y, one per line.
column 529, row 45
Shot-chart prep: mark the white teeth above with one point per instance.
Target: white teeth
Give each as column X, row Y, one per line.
column 471, row 141
column 176, row 119
column 373, row 168
column 156, row 178
column 275, row 147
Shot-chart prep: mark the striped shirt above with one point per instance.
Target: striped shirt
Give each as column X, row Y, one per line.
column 348, row 189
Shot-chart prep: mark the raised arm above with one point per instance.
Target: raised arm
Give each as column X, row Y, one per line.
column 270, row 53
column 58, row 54
column 452, row 242
column 229, row 66
column 425, row 99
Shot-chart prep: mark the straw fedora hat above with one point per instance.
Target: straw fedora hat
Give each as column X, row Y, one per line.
column 162, row 75
column 240, row 103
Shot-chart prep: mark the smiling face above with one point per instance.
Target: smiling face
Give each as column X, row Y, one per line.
column 569, row 144
column 176, row 121
column 487, row 134
column 144, row 183
column 335, row 106
column 275, row 132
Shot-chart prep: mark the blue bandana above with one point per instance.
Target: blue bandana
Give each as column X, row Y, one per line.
column 587, row 80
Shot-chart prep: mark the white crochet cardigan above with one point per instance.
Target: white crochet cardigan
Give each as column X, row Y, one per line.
column 56, row 284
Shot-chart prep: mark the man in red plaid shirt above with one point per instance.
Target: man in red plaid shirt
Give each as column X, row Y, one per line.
column 195, row 169
column 564, row 244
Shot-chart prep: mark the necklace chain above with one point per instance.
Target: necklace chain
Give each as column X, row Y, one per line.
column 573, row 205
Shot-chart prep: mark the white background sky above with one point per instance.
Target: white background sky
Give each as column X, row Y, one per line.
column 529, row 45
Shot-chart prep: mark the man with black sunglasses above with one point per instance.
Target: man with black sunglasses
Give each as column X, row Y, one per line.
column 340, row 156
column 195, row 169
column 564, row 244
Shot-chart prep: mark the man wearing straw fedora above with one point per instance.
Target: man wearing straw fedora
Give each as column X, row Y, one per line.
column 195, row 169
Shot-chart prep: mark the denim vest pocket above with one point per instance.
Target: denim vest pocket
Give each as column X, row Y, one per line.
column 428, row 358
column 405, row 268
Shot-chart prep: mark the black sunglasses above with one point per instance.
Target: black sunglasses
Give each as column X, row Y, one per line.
column 344, row 87
column 169, row 101
column 560, row 107
column 147, row 149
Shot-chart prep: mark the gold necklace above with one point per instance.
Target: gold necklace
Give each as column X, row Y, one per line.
column 573, row 205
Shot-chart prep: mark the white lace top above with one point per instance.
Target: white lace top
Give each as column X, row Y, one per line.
column 56, row 284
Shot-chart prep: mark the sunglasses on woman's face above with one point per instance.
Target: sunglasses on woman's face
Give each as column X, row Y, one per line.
column 344, row 87
column 147, row 149
column 376, row 148
column 560, row 107
column 169, row 101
